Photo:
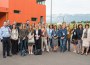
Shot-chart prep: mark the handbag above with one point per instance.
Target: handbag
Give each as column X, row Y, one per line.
column 31, row 40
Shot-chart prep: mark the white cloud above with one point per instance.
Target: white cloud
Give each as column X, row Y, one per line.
column 69, row 6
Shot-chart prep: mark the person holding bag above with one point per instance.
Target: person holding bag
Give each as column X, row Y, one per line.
column 31, row 40
column 86, row 38
column 14, row 39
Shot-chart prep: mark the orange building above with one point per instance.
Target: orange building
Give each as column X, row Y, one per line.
column 22, row 10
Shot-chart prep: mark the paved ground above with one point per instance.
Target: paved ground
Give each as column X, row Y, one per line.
column 67, row 58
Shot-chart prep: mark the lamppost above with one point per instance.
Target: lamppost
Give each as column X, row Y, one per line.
column 51, row 12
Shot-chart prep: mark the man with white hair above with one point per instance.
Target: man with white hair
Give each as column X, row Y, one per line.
column 5, row 33
column 8, row 24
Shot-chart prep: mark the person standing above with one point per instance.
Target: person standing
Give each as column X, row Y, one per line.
column 68, row 37
column 74, row 38
column 31, row 40
column 55, row 39
column 49, row 31
column 14, row 39
column 10, row 26
column 22, row 35
column 27, row 28
column 5, row 33
column 63, row 37
column 37, row 37
column 86, row 39
column 44, row 36
column 79, row 34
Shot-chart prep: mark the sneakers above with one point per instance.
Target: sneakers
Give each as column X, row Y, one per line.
column 75, row 51
column 86, row 54
column 4, row 56
column 31, row 53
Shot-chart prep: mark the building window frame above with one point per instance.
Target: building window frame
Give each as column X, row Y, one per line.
column 16, row 11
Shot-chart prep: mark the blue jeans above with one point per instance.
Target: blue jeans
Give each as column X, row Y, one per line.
column 62, row 45
column 50, row 43
column 23, row 47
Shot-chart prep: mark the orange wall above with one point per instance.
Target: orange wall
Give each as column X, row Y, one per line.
column 28, row 8
column 4, row 3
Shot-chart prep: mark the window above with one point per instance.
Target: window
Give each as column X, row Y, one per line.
column 17, row 11
column 34, row 19
column 41, row 2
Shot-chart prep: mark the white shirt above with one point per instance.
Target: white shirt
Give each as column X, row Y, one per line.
column 14, row 34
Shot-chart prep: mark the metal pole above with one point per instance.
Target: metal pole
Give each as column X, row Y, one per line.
column 63, row 18
column 51, row 12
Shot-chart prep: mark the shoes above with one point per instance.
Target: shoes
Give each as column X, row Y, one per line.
column 82, row 53
column 86, row 54
column 74, row 51
column 9, row 55
column 47, row 51
column 31, row 53
column 4, row 56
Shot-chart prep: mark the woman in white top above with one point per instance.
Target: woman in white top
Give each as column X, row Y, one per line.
column 85, row 39
column 31, row 40
column 14, row 40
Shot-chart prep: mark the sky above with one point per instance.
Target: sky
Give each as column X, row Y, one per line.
column 68, row 6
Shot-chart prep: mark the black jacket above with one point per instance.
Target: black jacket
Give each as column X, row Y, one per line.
column 79, row 33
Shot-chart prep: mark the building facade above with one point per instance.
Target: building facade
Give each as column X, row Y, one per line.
column 22, row 10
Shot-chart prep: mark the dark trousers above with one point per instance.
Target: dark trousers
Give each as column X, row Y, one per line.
column 38, row 44
column 58, row 41
column 68, row 44
column 23, row 47
column 14, row 49
column 26, row 44
column 6, row 46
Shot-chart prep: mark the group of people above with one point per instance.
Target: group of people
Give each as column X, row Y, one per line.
column 36, row 39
